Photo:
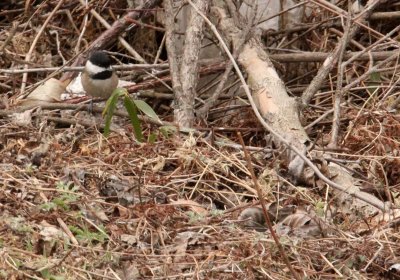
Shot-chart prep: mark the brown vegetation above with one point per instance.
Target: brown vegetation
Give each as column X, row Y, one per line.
column 76, row 205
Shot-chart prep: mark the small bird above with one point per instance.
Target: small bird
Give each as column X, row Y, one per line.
column 98, row 78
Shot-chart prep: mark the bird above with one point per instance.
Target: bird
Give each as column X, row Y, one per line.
column 98, row 78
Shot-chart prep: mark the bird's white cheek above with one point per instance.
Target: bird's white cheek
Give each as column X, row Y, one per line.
column 93, row 69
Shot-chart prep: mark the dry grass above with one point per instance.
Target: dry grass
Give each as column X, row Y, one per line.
column 150, row 210
column 75, row 205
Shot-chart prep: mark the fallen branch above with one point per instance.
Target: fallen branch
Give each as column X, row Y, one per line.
column 369, row 199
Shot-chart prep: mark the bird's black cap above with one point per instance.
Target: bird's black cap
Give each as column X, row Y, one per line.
column 100, row 58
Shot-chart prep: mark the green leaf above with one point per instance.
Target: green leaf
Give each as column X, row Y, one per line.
column 109, row 109
column 146, row 109
column 116, row 93
column 168, row 130
column 374, row 82
column 45, row 273
column 133, row 115
column 152, row 138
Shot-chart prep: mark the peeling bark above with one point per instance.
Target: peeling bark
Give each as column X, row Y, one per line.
column 268, row 91
column 184, row 74
column 280, row 112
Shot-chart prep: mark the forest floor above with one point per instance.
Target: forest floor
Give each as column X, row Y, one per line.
column 77, row 205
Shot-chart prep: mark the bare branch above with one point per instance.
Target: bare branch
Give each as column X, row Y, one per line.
column 332, row 59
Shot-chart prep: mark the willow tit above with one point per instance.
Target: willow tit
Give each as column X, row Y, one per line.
column 98, row 78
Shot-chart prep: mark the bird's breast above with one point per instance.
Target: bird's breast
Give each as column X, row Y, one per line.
column 99, row 87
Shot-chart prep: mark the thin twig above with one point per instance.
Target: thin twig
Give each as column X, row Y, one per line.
column 123, row 42
column 358, row 195
column 13, row 30
column 110, row 35
column 124, row 67
column 264, row 208
column 238, row 48
column 338, row 93
column 286, row 57
column 331, row 61
column 33, row 45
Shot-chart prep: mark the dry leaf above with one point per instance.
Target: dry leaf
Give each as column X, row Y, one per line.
column 301, row 224
column 129, row 239
column 94, row 213
column 49, row 233
column 50, row 238
column 130, row 271
column 160, row 163
column 253, row 217
column 22, row 119
column 49, row 92
column 194, row 206
column 182, row 240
